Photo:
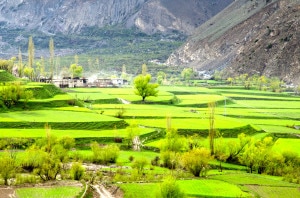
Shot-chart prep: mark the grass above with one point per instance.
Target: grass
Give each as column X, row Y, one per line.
column 193, row 123
column 284, row 144
column 6, row 77
column 192, row 188
column 49, row 192
column 134, row 190
column 36, row 133
column 271, row 191
column 210, row 188
column 54, row 116
column 252, row 179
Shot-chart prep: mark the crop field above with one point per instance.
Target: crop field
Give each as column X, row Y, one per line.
column 192, row 188
column 103, row 115
column 36, row 133
column 36, row 192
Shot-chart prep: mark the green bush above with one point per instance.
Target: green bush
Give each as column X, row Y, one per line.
column 105, row 154
column 170, row 189
column 77, row 171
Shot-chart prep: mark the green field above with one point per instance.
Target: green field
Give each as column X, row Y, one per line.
column 103, row 114
column 40, row 192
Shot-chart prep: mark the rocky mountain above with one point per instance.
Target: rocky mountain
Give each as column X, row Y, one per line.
column 69, row 16
column 255, row 37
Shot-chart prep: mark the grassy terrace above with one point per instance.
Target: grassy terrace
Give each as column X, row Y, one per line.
column 94, row 114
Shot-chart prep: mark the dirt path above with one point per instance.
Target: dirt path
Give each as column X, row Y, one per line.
column 124, row 101
column 7, row 193
column 103, row 193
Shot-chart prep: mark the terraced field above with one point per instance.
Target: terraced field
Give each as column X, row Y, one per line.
column 103, row 115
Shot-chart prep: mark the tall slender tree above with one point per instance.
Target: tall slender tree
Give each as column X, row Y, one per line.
column 51, row 50
column 31, row 56
column 20, row 64
column 144, row 69
column 212, row 131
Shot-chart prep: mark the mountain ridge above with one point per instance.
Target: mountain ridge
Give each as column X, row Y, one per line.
column 231, row 46
column 70, row 16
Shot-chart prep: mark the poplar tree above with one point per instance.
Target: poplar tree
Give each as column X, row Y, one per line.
column 144, row 69
column 51, row 50
column 31, row 56
column 212, row 131
column 20, row 64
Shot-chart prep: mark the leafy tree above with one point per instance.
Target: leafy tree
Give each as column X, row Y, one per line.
column 8, row 167
column 76, row 70
column 275, row 84
column 221, row 152
column 124, row 74
column 187, row 74
column 237, row 148
column 161, row 77
column 257, row 154
column 230, row 80
column 10, row 95
column 170, row 189
column 144, row 88
column 196, row 160
column 262, row 81
column 171, row 147
column 28, row 72
column 248, row 157
column 7, row 64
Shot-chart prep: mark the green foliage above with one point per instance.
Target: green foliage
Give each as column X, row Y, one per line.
column 170, row 189
column 10, row 95
column 196, row 161
column 76, row 70
column 7, row 65
column 47, row 157
column 77, row 171
column 143, row 87
column 187, row 74
column 106, row 154
column 132, row 132
column 140, row 164
column 8, row 167
column 26, row 179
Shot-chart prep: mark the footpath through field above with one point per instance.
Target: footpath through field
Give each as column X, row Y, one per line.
column 103, row 193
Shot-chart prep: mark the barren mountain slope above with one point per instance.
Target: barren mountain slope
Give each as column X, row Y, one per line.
column 72, row 15
column 247, row 37
column 175, row 15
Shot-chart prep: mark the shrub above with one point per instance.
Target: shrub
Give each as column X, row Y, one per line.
column 169, row 188
column 77, row 171
column 131, row 158
column 26, row 179
column 155, row 161
column 106, row 154
column 140, row 164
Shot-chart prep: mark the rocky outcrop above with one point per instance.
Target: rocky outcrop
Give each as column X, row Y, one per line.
column 69, row 16
column 175, row 15
column 66, row 15
column 254, row 37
